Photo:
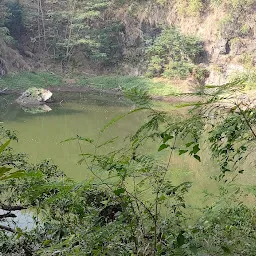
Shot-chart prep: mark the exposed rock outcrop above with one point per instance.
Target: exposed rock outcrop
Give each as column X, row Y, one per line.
column 221, row 74
column 34, row 96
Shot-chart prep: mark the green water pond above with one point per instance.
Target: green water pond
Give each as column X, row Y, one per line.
column 85, row 114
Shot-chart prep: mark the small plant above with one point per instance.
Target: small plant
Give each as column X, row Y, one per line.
column 247, row 60
column 190, row 7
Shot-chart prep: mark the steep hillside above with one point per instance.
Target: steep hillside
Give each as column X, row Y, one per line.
column 123, row 37
column 226, row 28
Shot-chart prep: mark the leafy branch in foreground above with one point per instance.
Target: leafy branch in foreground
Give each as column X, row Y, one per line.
column 232, row 135
column 135, row 164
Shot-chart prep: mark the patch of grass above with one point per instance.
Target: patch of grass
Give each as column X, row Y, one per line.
column 157, row 88
column 26, row 80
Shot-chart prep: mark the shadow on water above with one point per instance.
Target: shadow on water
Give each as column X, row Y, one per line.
column 14, row 112
column 64, row 104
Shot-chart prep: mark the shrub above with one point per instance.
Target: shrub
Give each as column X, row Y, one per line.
column 234, row 24
column 227, row 231
column 173, row 54
column 178, row 69
column 190, row 7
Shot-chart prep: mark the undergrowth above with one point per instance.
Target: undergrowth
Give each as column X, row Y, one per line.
column 153, row 87
column 25, row 80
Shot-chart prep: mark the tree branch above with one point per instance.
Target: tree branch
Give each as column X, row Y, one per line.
column 7, row 229
column 3, row 91
column 12, row 208
column 7, row 215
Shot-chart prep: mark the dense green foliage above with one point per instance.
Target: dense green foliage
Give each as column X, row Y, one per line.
column 130, row 205
column 72, row 24
column 4, row 31
column 173, row 54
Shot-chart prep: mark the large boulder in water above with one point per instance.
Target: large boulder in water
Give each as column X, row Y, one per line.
column 34, row 96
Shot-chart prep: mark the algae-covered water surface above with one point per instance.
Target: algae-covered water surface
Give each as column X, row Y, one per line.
column 41, row 135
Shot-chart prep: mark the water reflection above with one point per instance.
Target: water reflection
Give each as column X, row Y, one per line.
column 23, row 220
column 36, row 109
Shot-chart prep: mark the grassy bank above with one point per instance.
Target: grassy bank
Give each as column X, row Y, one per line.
column 25, row 80
column 153, row 86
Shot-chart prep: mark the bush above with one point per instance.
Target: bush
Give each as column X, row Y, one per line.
column 234, row 24
column 173, row 54
column 227, row 231
column 178, row 69
column 191, row 7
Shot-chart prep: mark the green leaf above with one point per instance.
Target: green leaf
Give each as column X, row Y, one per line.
column 189, row 144
column 47, row 242
column 167, row 137
column 193, row 249
column 81, row 161
column 197, row 157
column 163, row 146
column 19, row 233
column 180, row 239
column 181, row 151
column 226, row 249
column 85, row 139
column 119, row 191
column 162, row 198
column 183, row 105
column 78, row 138
column 67, row 140
column 196, row 149
column 14, row 175
column 4, row 146
column 107, row 142
column 4, row 170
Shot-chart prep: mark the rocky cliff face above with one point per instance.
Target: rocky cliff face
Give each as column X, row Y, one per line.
column 227, row 31
column 226, row 28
